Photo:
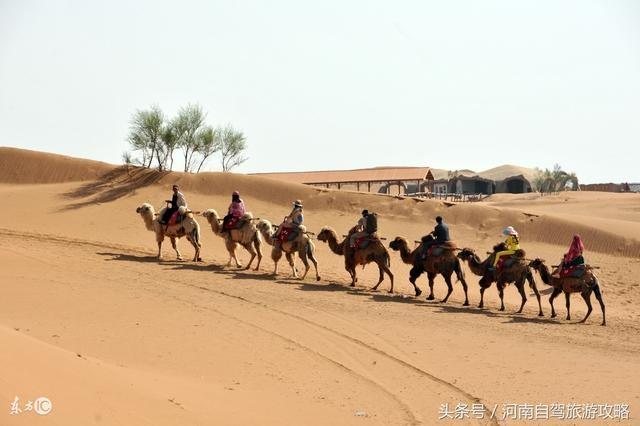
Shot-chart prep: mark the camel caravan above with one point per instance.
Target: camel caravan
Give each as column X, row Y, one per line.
column 434, row 254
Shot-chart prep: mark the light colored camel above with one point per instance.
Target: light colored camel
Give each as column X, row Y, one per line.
column 375, row 252
column 302, row 245
column 189, row 228
column 247, row 236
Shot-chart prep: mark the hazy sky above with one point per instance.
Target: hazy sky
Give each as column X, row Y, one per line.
column 335, row 84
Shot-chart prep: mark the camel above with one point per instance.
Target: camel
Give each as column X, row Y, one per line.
column 585, row 285
column 445, row 265
column 247, row 236
column 374, row 252
column 516, row 273
column 302, row 245
column 189, row 228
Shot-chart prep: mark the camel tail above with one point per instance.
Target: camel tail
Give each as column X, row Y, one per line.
column 459, row 270
column 310, row 248
column 387, row 259
column 596, row 287
column 530, row 279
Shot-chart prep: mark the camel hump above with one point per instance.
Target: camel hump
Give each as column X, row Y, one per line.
column 520, row 253
column 449, row 245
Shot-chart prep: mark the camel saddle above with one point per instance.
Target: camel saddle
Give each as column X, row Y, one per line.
column 507, row 262
column 439, row 249
column 175, row 219
column 234, row 223
column 363, row 242
column 576, row 271
column 287, row 234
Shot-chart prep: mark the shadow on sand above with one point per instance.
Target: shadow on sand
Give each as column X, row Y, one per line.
column 119, row 182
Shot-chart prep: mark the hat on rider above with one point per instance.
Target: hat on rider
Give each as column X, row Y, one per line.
column 510, row 230
column 297, row 204
column 365, row 212
column 176, row 186
column 236, row 193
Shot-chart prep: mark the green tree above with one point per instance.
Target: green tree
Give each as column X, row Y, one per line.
column 187, row 123
column 233, row 144
column 144, row 134
column 209, row 142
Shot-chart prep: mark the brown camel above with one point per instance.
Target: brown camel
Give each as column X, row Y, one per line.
column 374, row 252
column 584, row 285
column 302, row 245
column 189, row 228
column 247, row 236
column 515, row 270
column 445, row 264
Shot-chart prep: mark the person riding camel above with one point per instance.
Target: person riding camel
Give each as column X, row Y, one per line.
column 367, row 225
column 177, row 201
column 236, row 210
column 292, row 221
column 573, row 257
column 512, row 242
column 439, row 235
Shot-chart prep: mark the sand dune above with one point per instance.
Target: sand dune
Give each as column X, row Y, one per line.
column 182, row 343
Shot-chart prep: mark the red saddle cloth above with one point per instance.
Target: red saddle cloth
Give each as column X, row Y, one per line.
column 284, row 234
column 173, row 220
column 359, row 242
column 432, row 248
column 232, row 223
column 575, row 271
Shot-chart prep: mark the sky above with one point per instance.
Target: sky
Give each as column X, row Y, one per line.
column 335, row 84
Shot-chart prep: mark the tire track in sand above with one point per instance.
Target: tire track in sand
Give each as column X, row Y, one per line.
column 354, row 341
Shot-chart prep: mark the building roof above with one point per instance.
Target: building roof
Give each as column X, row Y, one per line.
column 376, row 174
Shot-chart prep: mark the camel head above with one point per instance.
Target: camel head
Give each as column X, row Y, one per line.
column 499, row 247
column 265, row 227
column 146, row 209
column 536, row 264
column 210, row 215
column 397, row 243
column 466, row 254
column 326, row 233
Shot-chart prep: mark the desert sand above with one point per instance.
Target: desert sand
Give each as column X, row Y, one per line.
column 90, row 319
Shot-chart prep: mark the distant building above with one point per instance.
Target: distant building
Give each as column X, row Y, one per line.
column 386, row 180
column 412, row 180
column 606, row 187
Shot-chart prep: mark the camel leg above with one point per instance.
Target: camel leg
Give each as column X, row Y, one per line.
column 523, row 295
column 447, row 279
column 556, row 292
column 354, row 276
column 481, row 305
column 252, row 252
column 465, row 287
column 431, row 277
column 533, row 285
column 500, row 286
column 303, row 257
column 586, row 295
column 175, row 247
column 258, row 248
column 292, row 264
column 276, row 255
column 596, row 290
column 312, row 257
column 567, row 296
column 196, row 248
column 414, row 273
column 159, row 249
column 384, row 269
column 380, row 278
